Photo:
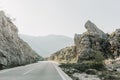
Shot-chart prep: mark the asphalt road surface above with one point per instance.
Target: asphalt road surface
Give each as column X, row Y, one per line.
column 43, row 70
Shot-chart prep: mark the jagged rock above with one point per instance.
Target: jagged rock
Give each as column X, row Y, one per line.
column 94, row 46
column 114, row 41
column 13, row 50
column 93, row 30
column 95, row 41
column 92, row 41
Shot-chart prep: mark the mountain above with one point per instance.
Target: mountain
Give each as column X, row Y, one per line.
column 46, row 45
column 13, row 50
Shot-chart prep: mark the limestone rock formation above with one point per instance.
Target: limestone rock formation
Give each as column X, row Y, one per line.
column 114, row 41
column 93, row 30
column 13, row 50
column 95, row 52
column 94, row 41
column 89, row 42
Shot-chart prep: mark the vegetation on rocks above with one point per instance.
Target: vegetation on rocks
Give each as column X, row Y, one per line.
column 92, row 48
column 13, row 50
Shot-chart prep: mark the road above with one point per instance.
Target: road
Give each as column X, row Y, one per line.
column 43, row 70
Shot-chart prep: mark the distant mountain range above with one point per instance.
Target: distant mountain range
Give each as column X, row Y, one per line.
column 46, row 45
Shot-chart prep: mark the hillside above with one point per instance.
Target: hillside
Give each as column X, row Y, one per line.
column 46, row 45
column 13, row 50
column 95, row 54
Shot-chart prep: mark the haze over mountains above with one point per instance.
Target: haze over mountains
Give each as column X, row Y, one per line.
column 46, row 45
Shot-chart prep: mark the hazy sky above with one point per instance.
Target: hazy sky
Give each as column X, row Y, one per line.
column 62, row 17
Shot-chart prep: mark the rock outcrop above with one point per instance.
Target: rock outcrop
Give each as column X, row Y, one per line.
column 114, row 41
column 93, row 30
column 13, row 50
column 94, row 41
column 96, row 53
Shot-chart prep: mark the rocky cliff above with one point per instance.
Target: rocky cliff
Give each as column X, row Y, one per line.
column 93, row 41
column 114, row 41
column 13, row 50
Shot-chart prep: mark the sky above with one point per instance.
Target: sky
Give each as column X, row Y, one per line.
column 62, row 17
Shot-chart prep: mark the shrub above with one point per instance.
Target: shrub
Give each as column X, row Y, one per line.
column 82, row 67
column 99, row 56
column 91, row 71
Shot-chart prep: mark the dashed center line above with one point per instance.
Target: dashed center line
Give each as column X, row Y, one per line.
column 27, row 72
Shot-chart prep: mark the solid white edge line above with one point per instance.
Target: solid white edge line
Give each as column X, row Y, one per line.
column 68, row 78
column 59, row 72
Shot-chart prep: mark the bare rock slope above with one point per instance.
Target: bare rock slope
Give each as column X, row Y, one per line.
column 13, row 50
column 87, row 45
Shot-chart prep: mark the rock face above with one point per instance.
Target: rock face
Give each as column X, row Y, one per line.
column 93, row 30
column 94, row 41
column 114, row 41
column 13, row 50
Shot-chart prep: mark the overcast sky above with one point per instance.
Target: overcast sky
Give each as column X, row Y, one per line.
column 62, row 17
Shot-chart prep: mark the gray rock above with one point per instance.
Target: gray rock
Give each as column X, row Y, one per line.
column 94, row 45
column 86, row 43
column 114, row 41
column 13, row 50
column 91, row 42
column 93, row 30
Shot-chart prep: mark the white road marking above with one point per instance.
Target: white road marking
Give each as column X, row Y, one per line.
column 62, row 74
column 27, row 72
column 66, row 76
column 59, row 73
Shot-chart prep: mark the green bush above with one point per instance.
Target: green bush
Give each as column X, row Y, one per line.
column 82, row 67
column 97, row 56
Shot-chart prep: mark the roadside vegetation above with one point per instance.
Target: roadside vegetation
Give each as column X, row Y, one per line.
column 94, row 66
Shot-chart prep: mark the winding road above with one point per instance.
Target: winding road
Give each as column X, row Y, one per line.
column 43, row 70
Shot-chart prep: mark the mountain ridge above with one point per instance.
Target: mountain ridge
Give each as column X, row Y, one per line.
column 46, row 45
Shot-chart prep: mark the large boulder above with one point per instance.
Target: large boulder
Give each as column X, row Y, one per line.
column 92, row 29
column 13, row 50
column 90, row 42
